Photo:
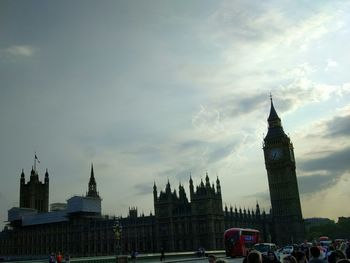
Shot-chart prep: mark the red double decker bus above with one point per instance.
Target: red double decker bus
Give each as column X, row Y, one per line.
column 239, row 240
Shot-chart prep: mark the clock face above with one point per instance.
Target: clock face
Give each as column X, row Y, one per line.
column 275, row 154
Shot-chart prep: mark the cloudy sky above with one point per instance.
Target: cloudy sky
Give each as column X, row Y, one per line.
column 150, row 91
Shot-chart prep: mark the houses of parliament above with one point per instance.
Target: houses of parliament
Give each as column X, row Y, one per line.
column 179, row 222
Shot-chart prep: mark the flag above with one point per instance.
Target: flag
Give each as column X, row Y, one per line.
column 36, row 158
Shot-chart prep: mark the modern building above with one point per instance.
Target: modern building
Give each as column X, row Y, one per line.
column 288, row 225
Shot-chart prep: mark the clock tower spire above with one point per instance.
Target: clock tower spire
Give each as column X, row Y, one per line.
column 284, row 194
column 275, row 124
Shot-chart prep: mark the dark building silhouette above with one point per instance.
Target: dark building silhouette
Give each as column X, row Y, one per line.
column 92, row 187
column 78, row 228
column 186, row 225
column 179, row 223
column 34, row 194
column 283, row 185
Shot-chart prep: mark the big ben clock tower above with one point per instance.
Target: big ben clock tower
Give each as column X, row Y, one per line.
column 284, row 194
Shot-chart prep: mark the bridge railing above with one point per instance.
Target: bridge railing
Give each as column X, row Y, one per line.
column 169, row 257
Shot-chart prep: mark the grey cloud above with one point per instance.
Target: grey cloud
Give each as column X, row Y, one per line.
column 181, row 175
column 214, row 151
column 315, row 183
column 326, row 171
column 260, row 196
column 177, row 175
column 220, row 153
column 236, row 105
column 19, row 51
column 333, row 163
column 246, row 23
column 190, row 144
column 143, row 150
column 144, row 189
column 338, row 126
column 166, row 173
column 184, row 175
column 241, row 21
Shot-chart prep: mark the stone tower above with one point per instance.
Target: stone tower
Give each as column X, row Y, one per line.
column 283, row 185
column 183, row 225
column 34, row 194
column 207, row 214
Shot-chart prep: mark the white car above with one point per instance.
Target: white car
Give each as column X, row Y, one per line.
column 263, row 248
column 287, row 250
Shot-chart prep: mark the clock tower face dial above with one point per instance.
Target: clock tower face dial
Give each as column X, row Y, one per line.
column 275, row 154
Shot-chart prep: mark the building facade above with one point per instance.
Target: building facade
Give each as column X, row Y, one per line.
column 78, row 228
column 34, row 194
column 179, row 223
column 288, row 225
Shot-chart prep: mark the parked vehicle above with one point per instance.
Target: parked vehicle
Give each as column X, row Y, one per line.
column 287, row 250
column 263, row 248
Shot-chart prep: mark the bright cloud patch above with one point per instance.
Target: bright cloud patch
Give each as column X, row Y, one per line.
column 20, row 51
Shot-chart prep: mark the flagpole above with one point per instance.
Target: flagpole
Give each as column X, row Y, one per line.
column 34, row 161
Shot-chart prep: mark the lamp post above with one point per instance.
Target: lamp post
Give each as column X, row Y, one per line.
column 117, row 229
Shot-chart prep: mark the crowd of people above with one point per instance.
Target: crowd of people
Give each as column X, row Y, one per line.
column 59, row 258
column 334, row 253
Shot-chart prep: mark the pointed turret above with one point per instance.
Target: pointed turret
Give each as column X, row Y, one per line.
column 257, row 211
column 155, row 192
column 46, row 180
column 92, row 176
column 34, row 177
column 207, row 182
column 218, row 187
column 273, row 119
column 23, row 180
column 191, row 187
column 32, row 172
column 275, row 128
column 182, row 194
column 92, row 184
column 168, row 188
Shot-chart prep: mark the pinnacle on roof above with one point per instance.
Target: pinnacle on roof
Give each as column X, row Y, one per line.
column 275, row 128
column 273, row 114
column 92, row 177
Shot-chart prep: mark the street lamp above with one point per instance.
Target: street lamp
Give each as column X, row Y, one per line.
column 117, row 229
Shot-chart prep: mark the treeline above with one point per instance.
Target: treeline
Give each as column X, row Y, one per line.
column 333, row 230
